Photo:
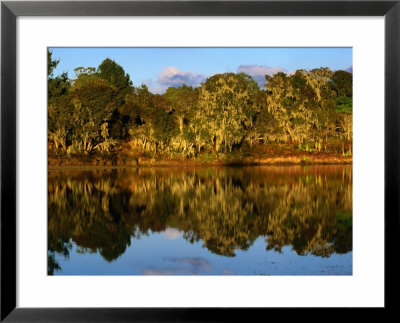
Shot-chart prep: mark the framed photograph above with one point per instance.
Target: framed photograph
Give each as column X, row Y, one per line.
column 161, row 158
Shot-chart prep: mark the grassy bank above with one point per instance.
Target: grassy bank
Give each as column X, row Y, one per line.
column 258, row 155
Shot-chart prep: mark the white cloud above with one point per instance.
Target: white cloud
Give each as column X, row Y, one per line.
column 173, row 76
column 171, row 234
column 191, row 266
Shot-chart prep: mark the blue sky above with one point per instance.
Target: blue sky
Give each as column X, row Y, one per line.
column 160, row 68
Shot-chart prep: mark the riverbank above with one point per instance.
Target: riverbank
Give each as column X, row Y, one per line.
column 283, row 158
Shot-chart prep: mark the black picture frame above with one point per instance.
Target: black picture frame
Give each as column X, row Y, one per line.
column 10, row 10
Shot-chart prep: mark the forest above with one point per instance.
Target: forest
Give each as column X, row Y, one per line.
column 101, row 116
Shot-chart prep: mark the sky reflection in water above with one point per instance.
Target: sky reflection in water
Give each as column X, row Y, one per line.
column 201, row 221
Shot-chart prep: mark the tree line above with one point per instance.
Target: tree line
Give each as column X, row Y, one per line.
column 100, row 110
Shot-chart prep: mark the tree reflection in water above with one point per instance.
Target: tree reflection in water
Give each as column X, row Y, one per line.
column 308, row 208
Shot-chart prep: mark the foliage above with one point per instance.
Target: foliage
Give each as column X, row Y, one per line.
column 51, row 64
column 226, row 115
column 225, row 110
column 114, row 74
column 342, row 83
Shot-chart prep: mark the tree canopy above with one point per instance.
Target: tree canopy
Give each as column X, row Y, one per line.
column 228, row 113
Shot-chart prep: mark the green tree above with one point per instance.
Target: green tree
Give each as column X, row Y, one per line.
column 226, row 107
column 94, row 101
column 139, row 109
column 51, row 64
column 342, row 83
column 303, row 105
column 164, row 129
column 182, row 102
column 114, row 74
column 85, row 72
column 59, row 105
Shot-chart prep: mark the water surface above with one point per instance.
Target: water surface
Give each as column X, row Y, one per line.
column 281, row 220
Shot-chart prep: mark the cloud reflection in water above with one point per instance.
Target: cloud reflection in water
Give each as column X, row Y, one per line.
column 196, row 266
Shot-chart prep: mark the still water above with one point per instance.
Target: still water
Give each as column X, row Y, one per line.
column 281, row 220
